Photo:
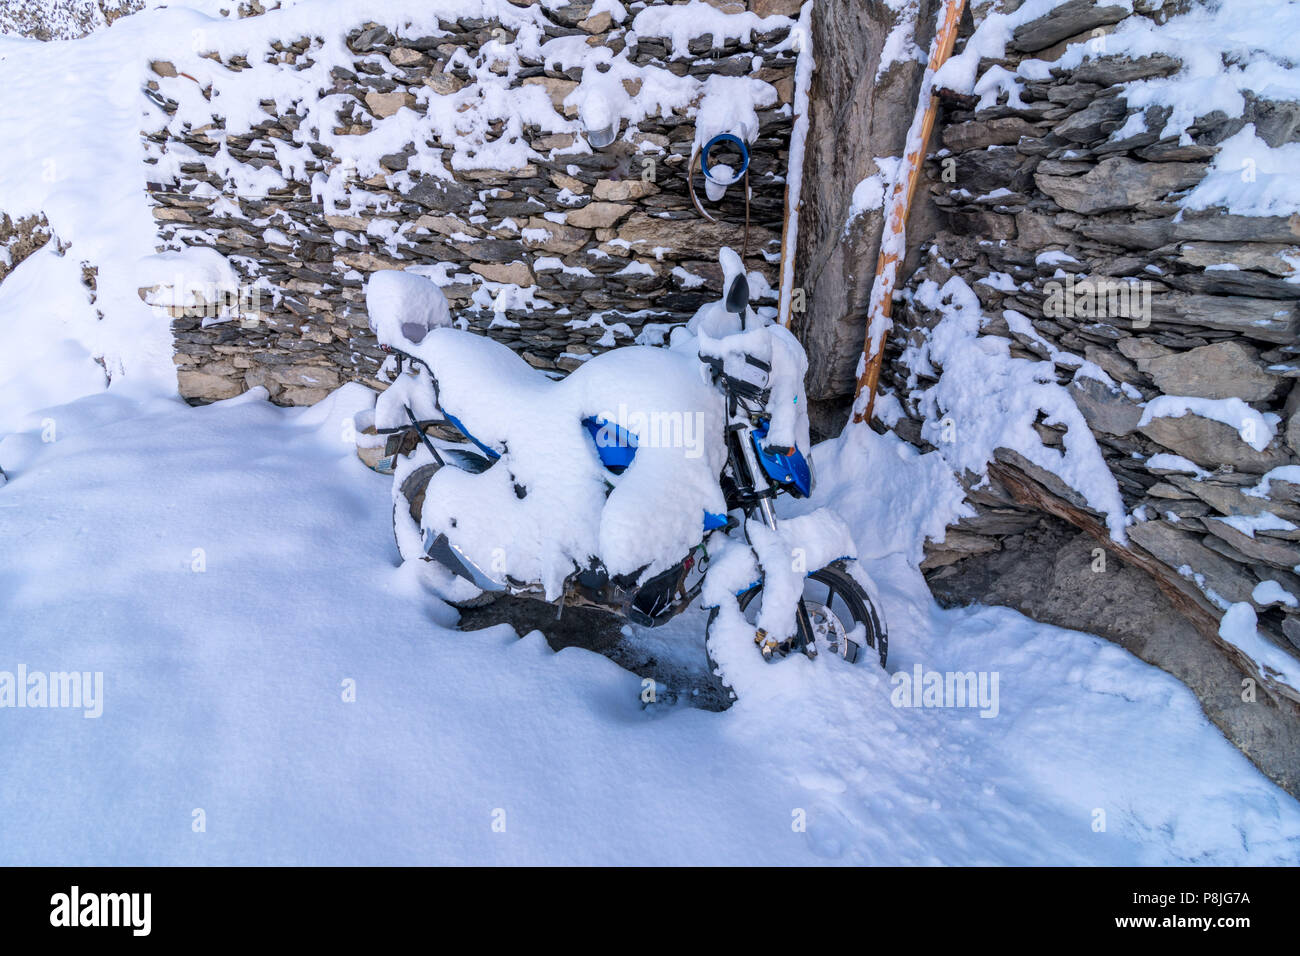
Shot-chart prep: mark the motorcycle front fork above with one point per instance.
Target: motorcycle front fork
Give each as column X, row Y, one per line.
column 757, row 477
column 803, row 639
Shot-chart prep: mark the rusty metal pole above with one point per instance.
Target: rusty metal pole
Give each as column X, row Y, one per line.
column 893, row 240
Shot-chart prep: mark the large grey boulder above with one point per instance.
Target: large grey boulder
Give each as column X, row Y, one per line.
column 1105, row 409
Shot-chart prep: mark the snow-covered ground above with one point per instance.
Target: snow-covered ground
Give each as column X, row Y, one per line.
column 230, row 570
column 276, row 689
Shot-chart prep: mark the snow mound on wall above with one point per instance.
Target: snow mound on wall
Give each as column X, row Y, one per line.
column 681, row 23
column 989, row 41
column 187, row 277
column 48, row 329
column 1255, row 428
column 1249, row 178
column 1238, row 627
column 985, row 399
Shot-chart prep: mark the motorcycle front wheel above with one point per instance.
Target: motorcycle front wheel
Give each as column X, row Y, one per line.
column 836, row 612
column 408, row 507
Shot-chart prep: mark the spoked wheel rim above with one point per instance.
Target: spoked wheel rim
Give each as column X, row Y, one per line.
column 838, row 613
column 827, row 629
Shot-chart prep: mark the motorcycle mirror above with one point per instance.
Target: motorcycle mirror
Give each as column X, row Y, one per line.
column 738, row 296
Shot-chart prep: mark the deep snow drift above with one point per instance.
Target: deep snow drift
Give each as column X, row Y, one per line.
column 231, row 571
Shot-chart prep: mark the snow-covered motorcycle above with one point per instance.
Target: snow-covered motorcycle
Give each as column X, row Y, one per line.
column 643, row 480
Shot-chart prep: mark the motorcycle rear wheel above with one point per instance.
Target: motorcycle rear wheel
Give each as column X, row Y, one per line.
column 408, row 506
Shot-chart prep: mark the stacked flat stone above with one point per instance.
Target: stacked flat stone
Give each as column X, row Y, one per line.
column 1046, row 176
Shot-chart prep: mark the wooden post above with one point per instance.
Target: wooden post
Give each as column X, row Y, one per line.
column 893, row 245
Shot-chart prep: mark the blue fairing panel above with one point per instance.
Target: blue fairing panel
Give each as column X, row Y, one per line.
column 615, row 445
column 791, row 470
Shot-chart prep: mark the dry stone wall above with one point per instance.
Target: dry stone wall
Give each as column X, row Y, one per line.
column 1044, row 205
column 61, row 19
column 573, row 251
